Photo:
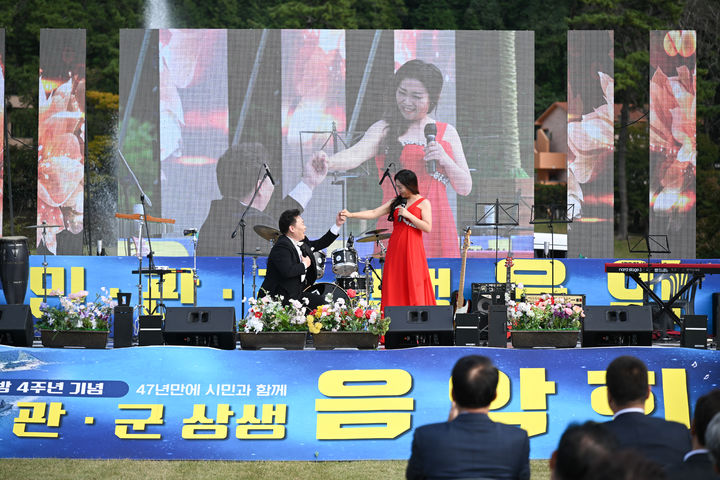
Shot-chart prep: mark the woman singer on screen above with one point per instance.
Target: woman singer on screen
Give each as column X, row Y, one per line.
column 406, row 279
column 404, row 136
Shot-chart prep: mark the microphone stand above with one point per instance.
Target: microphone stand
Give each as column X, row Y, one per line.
column 241, row 225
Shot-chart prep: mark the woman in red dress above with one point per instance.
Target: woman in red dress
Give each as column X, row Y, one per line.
column 406, row 279
column 400, row 138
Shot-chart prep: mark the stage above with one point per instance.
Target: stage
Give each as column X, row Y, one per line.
column 169, row 402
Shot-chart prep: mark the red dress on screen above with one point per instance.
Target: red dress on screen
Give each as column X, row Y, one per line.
column 442, row 241
column 406, row 279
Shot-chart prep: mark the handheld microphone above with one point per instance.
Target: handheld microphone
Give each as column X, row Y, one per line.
column 430, row 134
column 267, row 172
column 190, row 231
column 386, row 174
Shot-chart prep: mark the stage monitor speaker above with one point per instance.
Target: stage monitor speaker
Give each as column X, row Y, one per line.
column 16, row 325
column 497, row 326
column 122, row 326
column 201, row 326
column 419, row 326
column 617, row 325
column 150, row 330
column 694, row 331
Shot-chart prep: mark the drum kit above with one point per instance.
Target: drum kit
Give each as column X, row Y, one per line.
column 345, row 264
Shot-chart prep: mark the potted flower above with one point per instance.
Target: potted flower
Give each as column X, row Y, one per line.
column 75, row 322
column 354, row 323
column 271, row 322
column 548, row 322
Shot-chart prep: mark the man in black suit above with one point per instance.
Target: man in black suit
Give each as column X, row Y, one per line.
column 291, row 264
column 469, row 444
column 697, row 463
column 712, row 440
column 660, row 441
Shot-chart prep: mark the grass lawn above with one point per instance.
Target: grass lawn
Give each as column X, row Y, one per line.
column 199, row 470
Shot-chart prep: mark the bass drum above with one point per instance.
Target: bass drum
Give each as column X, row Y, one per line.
column 358, row 284
column 323, row 289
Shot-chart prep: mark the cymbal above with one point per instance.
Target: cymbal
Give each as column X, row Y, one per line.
column 378, row 255
column 374, row 238
column 252, row 254
column 44, row 225
column 268, row 233
column 375, row 232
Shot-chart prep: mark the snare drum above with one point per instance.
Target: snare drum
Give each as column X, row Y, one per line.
column 345, row 262
column 323, row 289
column 359, row 284
column 320, row 263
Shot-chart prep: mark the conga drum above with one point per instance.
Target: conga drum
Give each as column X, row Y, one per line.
column 14, row 268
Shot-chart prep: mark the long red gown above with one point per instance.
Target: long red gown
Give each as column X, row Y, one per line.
column 442, row 241
column 406, row 279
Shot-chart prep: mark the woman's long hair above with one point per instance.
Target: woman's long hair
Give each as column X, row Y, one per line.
column 432, row 79
column 409, row 180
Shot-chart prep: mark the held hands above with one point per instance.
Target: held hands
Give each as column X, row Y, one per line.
column 345, row 213
column 340, row 218
column 315, row 169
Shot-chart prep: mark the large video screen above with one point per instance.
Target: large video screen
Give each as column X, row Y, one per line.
column 228, row 128
column 2, row 121
column 591, row 143
column 673, row 147
column 61, row 141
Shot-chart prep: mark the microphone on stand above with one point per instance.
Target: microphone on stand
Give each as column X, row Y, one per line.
column 430, row 134
column 267, row 171
column 386, row 174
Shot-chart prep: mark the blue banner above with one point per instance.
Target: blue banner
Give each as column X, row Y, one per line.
column 201, row 403
column 220, row 280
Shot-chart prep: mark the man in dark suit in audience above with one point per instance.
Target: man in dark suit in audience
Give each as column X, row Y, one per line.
column 291, row 264
column 663, row 442
column 698, row 463
column 712, row 440
column 469, row 444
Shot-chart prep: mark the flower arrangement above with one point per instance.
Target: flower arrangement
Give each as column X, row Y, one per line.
column 356, row 315
column 73, row 313
column 269, row 314
column 546, row 313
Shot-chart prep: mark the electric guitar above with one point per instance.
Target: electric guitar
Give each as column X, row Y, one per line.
column 508, row 267
column 460, row 305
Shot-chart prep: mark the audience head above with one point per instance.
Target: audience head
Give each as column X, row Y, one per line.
column 627, row 382
column 706, row 408
column 580, row 448
column 475, row 380
column 626, row 465
column 712, row 440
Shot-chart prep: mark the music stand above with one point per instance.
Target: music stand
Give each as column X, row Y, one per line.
column 497, row 215
column 550, row 220
column 653, row 244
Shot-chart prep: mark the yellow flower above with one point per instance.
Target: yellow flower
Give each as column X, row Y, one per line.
column 312, row 326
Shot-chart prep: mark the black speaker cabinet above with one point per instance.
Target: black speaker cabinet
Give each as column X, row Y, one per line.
column 486, row 294
column 469, row 328
column 419, row 326
column 694, row 331
column 497, row 326
column 16, row 325
column 617, row 325
column 150, row 330
column 203, row 326
column 122, row 326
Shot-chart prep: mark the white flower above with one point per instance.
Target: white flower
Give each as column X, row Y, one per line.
column 253, row 324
